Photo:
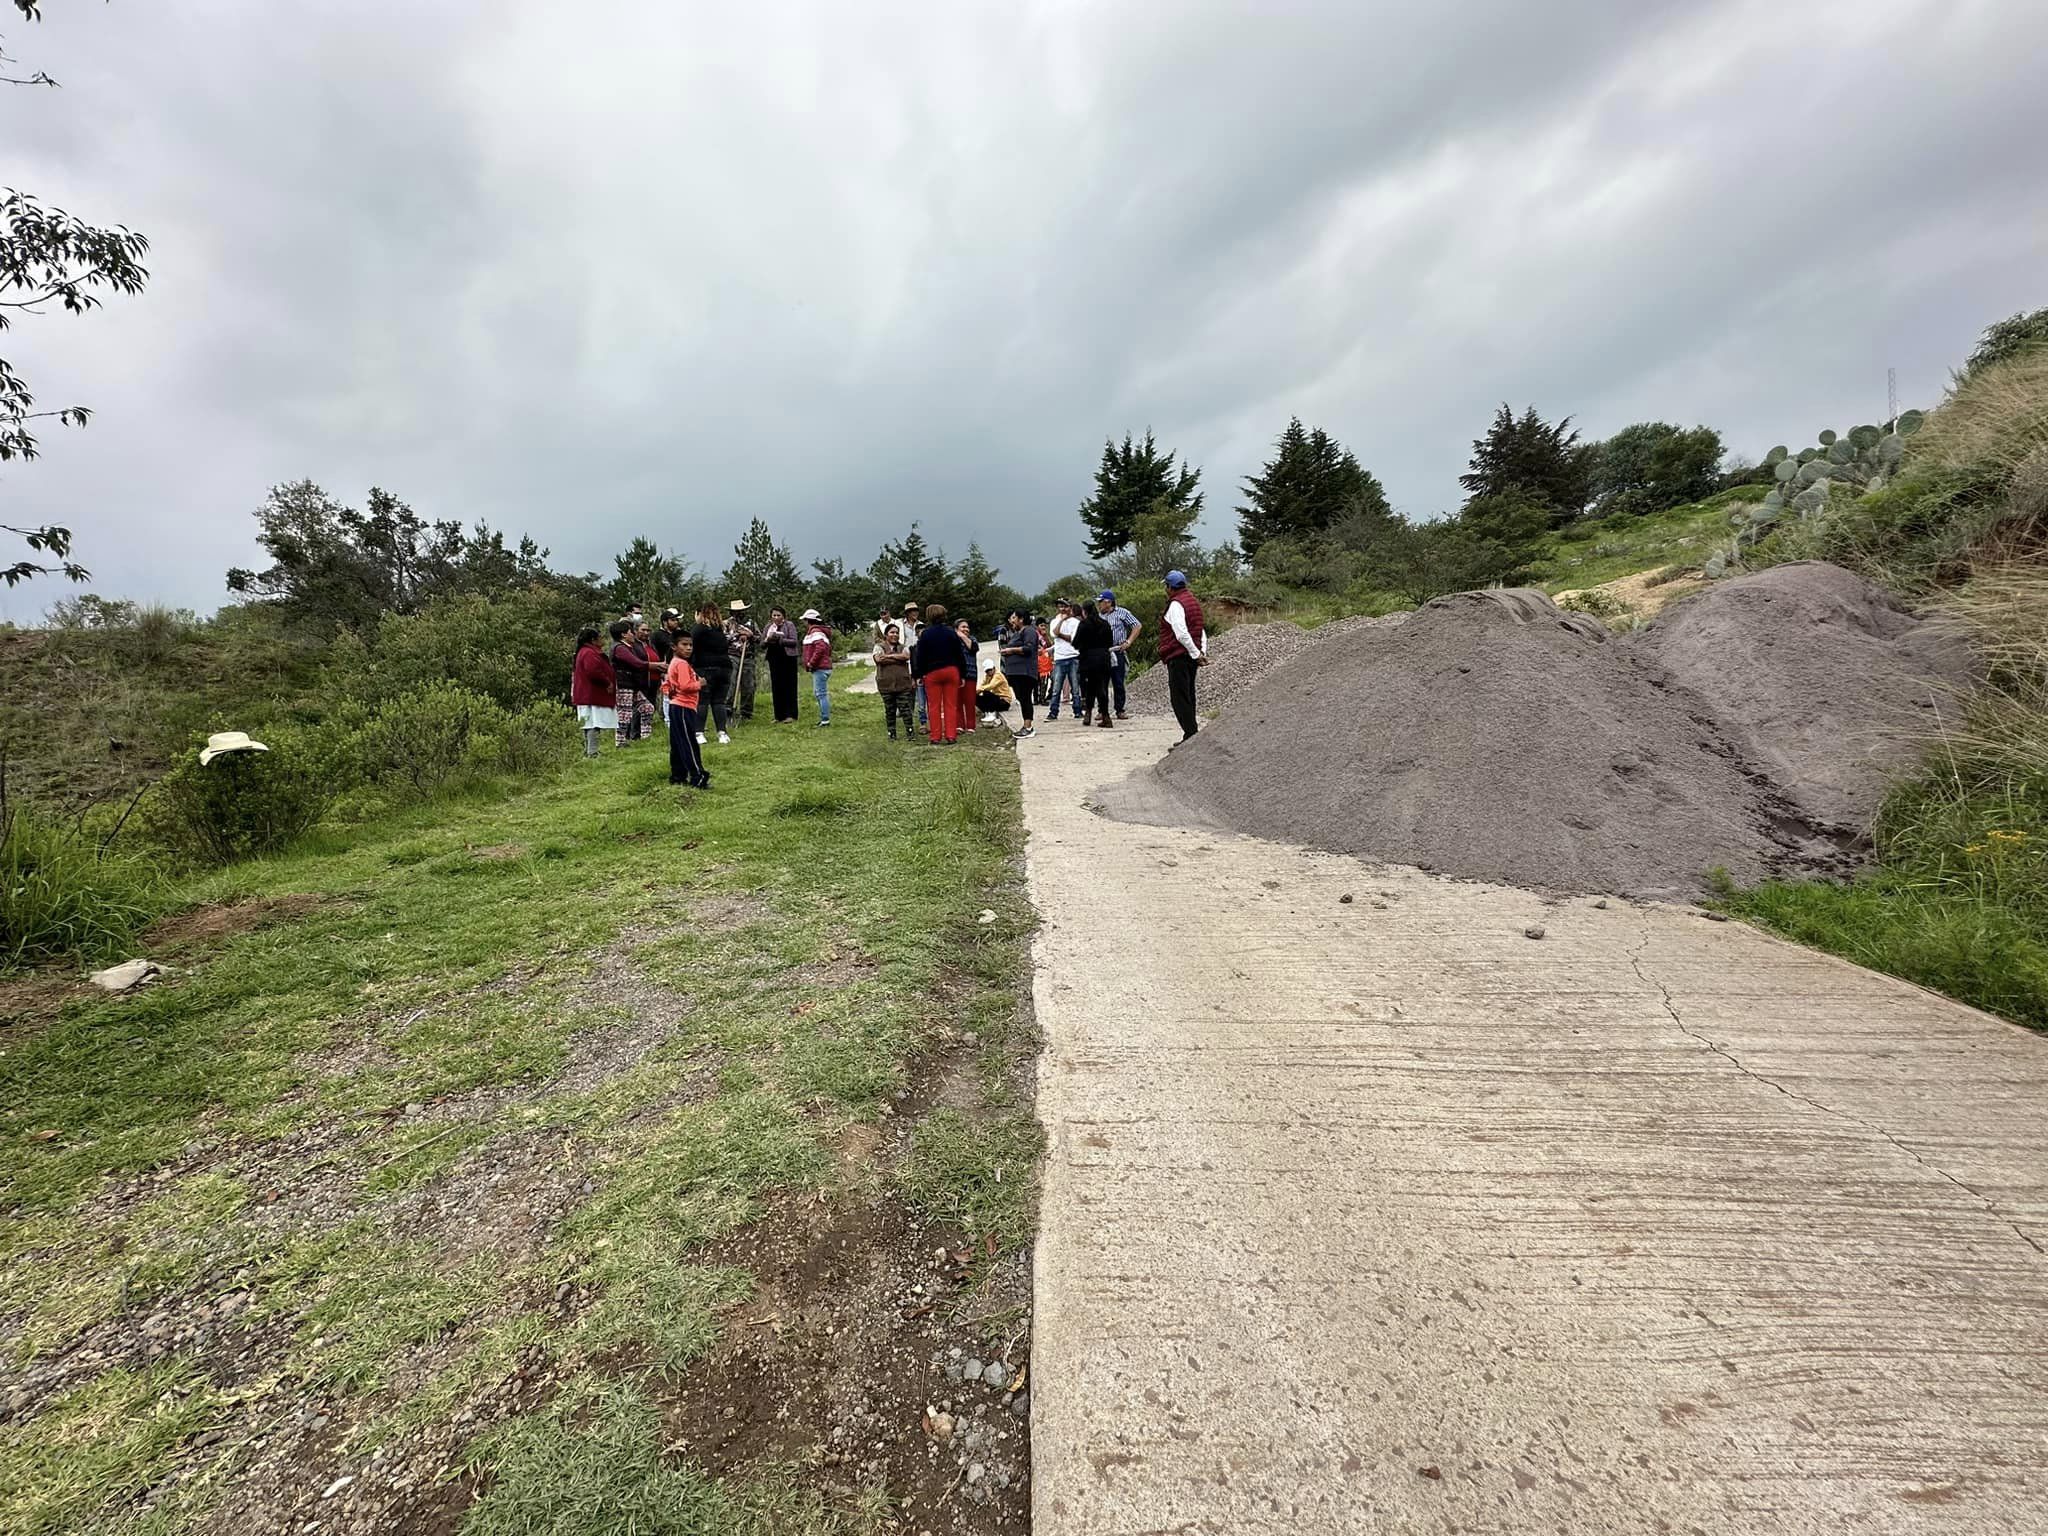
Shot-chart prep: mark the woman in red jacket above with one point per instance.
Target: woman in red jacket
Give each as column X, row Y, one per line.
column 593, row 690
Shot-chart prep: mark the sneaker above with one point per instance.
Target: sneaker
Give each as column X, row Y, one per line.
column 823, row 723
column 700, row 738
column 1029, row 730
column 724, row 740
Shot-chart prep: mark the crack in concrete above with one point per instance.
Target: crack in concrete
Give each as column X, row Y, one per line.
column 1671, row 1008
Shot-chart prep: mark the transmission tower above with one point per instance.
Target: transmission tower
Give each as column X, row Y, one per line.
column 1891, row 399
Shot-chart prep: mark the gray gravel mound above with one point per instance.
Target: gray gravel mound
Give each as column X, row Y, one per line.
column 1818, row 678
column 1492, row 736
column 1239, row 658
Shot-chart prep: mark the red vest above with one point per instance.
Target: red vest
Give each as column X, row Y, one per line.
column 1192, row 611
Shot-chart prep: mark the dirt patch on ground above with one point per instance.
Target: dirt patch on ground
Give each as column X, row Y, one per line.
column 850, row 1361
column 1641, row 594
column 202, row 928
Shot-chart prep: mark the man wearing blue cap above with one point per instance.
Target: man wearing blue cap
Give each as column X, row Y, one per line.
column 1183, row 646
column 1123, row 628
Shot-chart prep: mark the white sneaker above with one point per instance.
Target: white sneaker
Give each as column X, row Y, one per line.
column 700, row 738
column 724, row 740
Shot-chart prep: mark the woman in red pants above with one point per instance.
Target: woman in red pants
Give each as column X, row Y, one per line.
column 969, row 677
column 939, row 661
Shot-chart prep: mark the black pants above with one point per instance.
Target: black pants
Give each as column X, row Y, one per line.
column 903, row 704
column 717, row 697
column 782, row 683
column 1180, row 687
column 1095, row 693
column 685, row 762
column 1026, row 691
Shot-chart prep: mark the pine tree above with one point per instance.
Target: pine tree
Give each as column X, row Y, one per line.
column 910, row 570
column 1311, row 483
column 1131, row 482
column 1528, row 460
column 762, row 571
column 646, row 576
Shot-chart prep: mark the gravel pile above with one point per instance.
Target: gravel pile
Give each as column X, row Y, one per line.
column 1491, row 736
column 1817, row 677
column 1239, row 657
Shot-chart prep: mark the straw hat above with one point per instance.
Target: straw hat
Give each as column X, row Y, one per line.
column 222, row 742
column 738, row 605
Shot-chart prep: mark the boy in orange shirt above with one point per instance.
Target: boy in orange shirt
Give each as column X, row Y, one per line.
column 681, row 689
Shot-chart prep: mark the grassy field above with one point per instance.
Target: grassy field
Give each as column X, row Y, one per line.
column 1588, row 554
column 457, row 1146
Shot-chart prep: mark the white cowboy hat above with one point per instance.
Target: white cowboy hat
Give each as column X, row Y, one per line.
column 738, row 605
column 221, row 742
column 810, row 613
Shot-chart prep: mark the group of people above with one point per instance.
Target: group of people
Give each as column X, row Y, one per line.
column 697, row 678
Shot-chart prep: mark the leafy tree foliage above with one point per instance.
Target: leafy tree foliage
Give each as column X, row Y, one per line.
column 980, row 595
column 846, row 598
column 1653, row 465
column 333, row 566
column 1311, row 482
column 762, row 571
column 1132, row 481
column 643, row 574
column 2006, row 338
column 49, row 258
column 1524, row 461
column 910, row 570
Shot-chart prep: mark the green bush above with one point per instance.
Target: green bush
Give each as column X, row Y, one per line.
column 511, row 649
column 248, row 803
column 62, row 892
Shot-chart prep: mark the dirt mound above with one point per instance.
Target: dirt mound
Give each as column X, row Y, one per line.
column 1818, row 678
column 1493, row 737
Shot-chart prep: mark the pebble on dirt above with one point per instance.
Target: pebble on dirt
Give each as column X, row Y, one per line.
column 1532, row 932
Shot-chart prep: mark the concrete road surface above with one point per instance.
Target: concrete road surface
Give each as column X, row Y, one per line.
column 1373, row 1214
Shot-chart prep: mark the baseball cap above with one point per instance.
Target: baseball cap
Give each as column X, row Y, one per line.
column 1105, row 597
column 809, row 613
column 671, row 613
column 1176, row 578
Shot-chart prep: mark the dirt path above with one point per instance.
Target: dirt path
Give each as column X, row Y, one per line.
column 1366, row 1211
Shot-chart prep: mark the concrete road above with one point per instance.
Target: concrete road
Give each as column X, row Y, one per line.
column 1373, row 1214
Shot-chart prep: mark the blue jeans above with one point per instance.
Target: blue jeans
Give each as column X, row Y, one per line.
column 821, row 686
column 1065, row 674
column 1119, row 671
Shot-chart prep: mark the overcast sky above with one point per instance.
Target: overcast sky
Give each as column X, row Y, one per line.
column 626, row 267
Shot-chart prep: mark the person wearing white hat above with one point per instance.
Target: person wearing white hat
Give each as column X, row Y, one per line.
column 220, row 743
column 818, row 661
column 745, row 636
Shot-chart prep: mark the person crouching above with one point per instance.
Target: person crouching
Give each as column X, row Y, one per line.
column 683, row 693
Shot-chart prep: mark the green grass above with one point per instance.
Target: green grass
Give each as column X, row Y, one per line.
column 976, row 1174
column 1959, row 900
column 75, row 1467
column 811, row 920
column 1588, row 554
column 594, row 1465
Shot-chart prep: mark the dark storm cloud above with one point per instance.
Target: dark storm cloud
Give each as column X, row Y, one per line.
column 618, row 268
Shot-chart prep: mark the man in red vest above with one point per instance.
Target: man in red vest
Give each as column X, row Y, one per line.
column 1183, row 646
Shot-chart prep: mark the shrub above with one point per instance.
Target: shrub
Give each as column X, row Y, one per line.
column 248, row 803
column 415, row 744
column 511, row 649
column 64, row 891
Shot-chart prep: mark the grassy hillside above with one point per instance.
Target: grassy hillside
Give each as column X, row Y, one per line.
column 471, row 1158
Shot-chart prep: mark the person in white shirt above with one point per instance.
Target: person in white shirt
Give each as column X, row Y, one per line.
column 1066, row 660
